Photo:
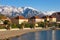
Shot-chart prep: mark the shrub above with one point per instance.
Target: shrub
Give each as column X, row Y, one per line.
column 40, row 24
column 19, row 26
column 32, row 25
column 1, row 27
column 14, row 26
column 59, row 25
column 52, row 24
column 27, row 25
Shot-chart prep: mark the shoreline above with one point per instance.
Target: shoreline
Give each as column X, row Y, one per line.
column 17, row 32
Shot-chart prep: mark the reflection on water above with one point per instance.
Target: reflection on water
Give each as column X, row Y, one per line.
column 42, row 35
column 37, row 36
column 53, row 35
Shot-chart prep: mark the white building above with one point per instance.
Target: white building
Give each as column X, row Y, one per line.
column 19, row 20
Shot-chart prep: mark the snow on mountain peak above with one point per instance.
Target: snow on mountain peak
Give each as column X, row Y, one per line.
column 25, row 11
column 49, row 12
column 30, row 8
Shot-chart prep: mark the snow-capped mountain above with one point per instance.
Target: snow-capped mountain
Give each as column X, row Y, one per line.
column 27, row 12
column 9, row 11
column 13, row 11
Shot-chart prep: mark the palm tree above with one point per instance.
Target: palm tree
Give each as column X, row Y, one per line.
column 46, row 23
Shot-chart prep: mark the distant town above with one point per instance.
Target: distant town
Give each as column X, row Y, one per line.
column 47, row 21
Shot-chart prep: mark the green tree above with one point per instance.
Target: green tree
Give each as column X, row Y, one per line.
column 22, row 25
column 7, row 23
column 46, row 23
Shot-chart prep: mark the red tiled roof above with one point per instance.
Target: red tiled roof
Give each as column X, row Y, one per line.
column 20, row 17
column 52, row 17
column 37, row 17
column 3, row 17
column 45, row 16
column 49, row 16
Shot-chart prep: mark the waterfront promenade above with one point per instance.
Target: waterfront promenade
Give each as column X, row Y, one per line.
column 5, row 34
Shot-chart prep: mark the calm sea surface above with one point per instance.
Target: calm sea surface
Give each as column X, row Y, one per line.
column 41, row 35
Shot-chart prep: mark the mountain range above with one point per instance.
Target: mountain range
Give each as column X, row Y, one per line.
column 27, row 12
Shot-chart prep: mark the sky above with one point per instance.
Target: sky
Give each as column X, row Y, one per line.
column 41, row 5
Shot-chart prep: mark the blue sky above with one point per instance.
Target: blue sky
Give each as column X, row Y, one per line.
column 43, row 5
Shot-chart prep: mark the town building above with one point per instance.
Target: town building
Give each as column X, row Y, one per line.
column 19, row 20
column 35, row 19
column 49, row 18
column 57, row 15
column 52, row 19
